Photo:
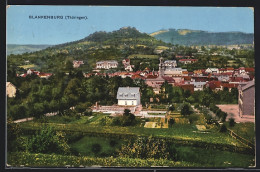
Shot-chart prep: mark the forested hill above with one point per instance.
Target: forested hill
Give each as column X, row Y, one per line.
column 98, row 46
column 198, row 37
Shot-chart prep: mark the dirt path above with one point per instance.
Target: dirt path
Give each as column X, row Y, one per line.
column 233, row 112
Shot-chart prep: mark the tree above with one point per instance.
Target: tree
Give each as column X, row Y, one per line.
column 232, row 122
column 128, row 118
column 171, row 107
column 171, row 122
column 185, row 110
column 223, row 128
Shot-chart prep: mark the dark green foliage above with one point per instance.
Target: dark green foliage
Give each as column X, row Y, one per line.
column 232, row 122
column 193, row 118
column 96, row 148
column 112, row 143
column 144, row 148
column 223, row 116
column 171, row 122
column 185, row 110
column 14, row 132
column 48, row 141
column 223, row 128
column 171, row 107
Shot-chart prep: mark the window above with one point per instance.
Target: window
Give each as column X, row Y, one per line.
column 132, row 102
column 125, row 102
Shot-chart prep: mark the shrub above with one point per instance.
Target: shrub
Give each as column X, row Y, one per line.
column 171, row 107
column 171, row 122
column 223, row 116
column 48, row 141
column 185, row 110
column 196, row 105
column 232, row 122
column 96, row 148
column 112, row 143
column 223, row 128
column 193, row 118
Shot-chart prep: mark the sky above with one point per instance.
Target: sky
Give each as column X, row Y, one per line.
column 23, row 30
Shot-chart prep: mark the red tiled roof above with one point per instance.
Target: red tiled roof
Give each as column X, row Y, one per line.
column 250, row 69
column 228, row 85
column 214, row 84
column 182, row 60
column 168, row 79
column 151, row 77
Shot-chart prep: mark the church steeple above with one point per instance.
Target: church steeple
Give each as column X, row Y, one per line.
column 161, row 67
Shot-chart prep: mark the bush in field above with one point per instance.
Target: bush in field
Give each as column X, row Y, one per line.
column 223, row 128
column 88, row 113
column 171, row 107
column 127, row 119
column 185, row 110
column 48, row 141
column 223, row 116
column 96, row 148
column 208, row 119
column 193, row 118
column 232, row 122
column 171, row 122
column 112, row 143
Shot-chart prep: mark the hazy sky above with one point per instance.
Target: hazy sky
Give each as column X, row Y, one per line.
column 22, row 30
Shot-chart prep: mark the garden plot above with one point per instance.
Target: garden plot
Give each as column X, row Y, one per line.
column 151, row 125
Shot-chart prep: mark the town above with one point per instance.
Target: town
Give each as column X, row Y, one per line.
column 133, row 101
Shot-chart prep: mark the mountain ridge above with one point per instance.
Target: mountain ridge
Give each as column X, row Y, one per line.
column 199, row 37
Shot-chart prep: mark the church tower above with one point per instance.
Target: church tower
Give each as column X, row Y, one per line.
column 161, row 67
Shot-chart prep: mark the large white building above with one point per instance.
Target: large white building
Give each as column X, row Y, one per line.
column 106, row 64
column 128, row 96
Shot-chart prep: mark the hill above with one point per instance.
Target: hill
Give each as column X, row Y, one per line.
column 20, row 49
column 198, row 37
column 98, row 46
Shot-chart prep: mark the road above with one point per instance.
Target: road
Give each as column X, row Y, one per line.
column 31, row 118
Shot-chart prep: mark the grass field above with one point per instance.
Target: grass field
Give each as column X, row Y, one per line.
column 108, row 146
column 245, row 130
column 178, row 131
column 28, row 66
column 143, row 56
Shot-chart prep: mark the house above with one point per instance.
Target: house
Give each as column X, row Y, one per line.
column 44, row 75
column 170, row 64
column 77, row 63
column 127, row 65
column 128, row 96
column 246, row 99
column 32, row 71
column 10, row 89
column 188, row 61
column 198, row 86
column 106, row 64
column 212, row 70
column 175, row 72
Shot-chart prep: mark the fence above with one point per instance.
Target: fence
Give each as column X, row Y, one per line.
column 241, row 139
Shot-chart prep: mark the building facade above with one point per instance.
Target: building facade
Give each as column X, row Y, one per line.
column 128, row 96
column 10, row 89
column 246, row 99
column 108, row 64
